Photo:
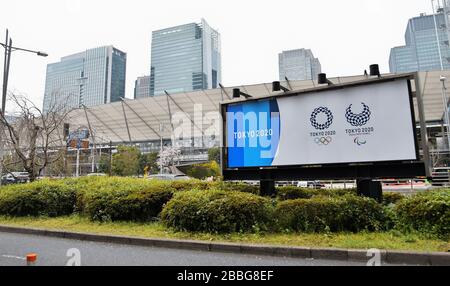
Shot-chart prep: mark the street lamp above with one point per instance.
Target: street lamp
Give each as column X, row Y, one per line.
column 8, row 50
column 161, row 129
column 8, row 46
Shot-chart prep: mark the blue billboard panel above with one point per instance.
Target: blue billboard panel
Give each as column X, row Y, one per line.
column 253, row 133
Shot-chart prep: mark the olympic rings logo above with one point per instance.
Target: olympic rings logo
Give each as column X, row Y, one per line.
column 323, row 141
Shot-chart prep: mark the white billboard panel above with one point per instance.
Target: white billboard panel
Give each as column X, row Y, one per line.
column 360, row 124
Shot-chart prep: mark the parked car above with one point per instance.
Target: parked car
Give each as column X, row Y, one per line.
column 15, row 178
column 96, row 175
column 310, row 184
column 169, row 177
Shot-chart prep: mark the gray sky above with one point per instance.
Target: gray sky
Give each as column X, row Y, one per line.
column 346, row 35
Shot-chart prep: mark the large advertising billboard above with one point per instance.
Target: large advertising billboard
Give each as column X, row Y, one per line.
column 355, row 124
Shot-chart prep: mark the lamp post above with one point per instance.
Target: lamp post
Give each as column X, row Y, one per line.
column 9, row 48
column 161, row 129
column 8, row 51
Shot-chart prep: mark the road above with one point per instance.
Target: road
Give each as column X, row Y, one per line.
column 53, row 252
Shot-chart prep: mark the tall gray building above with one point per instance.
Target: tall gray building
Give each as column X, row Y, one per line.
column 89, row 78
column 142, row 87
column 299, row 65
column 427, row 46
column 185, row 58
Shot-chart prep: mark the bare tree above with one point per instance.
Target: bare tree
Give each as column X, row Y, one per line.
column 34, row 138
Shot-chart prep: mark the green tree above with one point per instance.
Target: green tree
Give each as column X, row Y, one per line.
column 149, row 160
column 126, row 161
column 104, row 164
column 60, row 167
column 214, row 155
column 205, row 170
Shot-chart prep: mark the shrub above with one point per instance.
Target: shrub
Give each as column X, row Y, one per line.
column 238, row 187
column 294, row 193
column 318, row 214
column 191, row 185
column 427, row 213
column 205, row 170
column 217, row 212
column 392, row 198
column 337, row 192
column 125, row 202
column 46, row 198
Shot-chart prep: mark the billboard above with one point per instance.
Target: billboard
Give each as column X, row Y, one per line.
column 355, row 124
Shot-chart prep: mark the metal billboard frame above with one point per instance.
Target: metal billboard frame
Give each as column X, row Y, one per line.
column 375, row 170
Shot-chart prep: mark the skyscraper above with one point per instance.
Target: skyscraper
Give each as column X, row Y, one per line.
column 89, row 78
column 298, row 65
column 185, row 58
column 142, row 87
column 427, row 46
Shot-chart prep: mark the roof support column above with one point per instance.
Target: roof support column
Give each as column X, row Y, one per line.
column 126, row 123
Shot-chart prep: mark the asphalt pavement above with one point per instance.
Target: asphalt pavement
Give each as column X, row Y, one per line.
column 58, row 252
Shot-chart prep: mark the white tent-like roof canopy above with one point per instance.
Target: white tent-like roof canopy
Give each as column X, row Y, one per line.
column 140, row 120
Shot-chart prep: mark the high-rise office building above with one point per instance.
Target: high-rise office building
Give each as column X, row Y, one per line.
column 142, row 87
column 185, row 58
column 89, row 78
column 427, row 46
column 298, row 65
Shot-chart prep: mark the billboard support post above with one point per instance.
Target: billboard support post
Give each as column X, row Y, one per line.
column 369, row 188
column 266, row 184
column 423, row 126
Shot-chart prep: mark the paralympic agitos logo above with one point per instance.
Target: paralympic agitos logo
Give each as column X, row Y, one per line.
column 360, row 119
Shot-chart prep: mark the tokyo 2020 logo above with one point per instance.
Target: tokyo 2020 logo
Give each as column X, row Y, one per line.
column 360, row 119
column 328, row 114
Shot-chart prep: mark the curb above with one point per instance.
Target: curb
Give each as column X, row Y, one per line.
column 387, row 256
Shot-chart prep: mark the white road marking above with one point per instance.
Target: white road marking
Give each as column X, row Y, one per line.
column 14, row 257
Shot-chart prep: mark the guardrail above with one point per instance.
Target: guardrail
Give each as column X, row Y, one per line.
column 441, row 177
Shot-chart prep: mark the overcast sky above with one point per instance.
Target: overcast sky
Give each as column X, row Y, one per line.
column 346, row 35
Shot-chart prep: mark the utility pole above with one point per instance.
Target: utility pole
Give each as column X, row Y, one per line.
column 161, row 129
column 77, row 172
column 110, row 158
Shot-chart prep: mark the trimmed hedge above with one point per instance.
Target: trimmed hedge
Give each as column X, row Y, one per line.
column 218, row 212
column 43, row 198
column 191, row 185
column 227, row 207
column 392, row 198
column 120, row 200
column 427, row 212
column 330, row 214
column 238, row 187
column 294, row 193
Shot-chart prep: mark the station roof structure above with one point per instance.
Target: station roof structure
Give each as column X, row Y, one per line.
column 134, row 121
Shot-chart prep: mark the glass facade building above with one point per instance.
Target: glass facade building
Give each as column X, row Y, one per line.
column 142, row 87
column 298, row 65
column 94, row 77
column 427, row 46
column 185, row 58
